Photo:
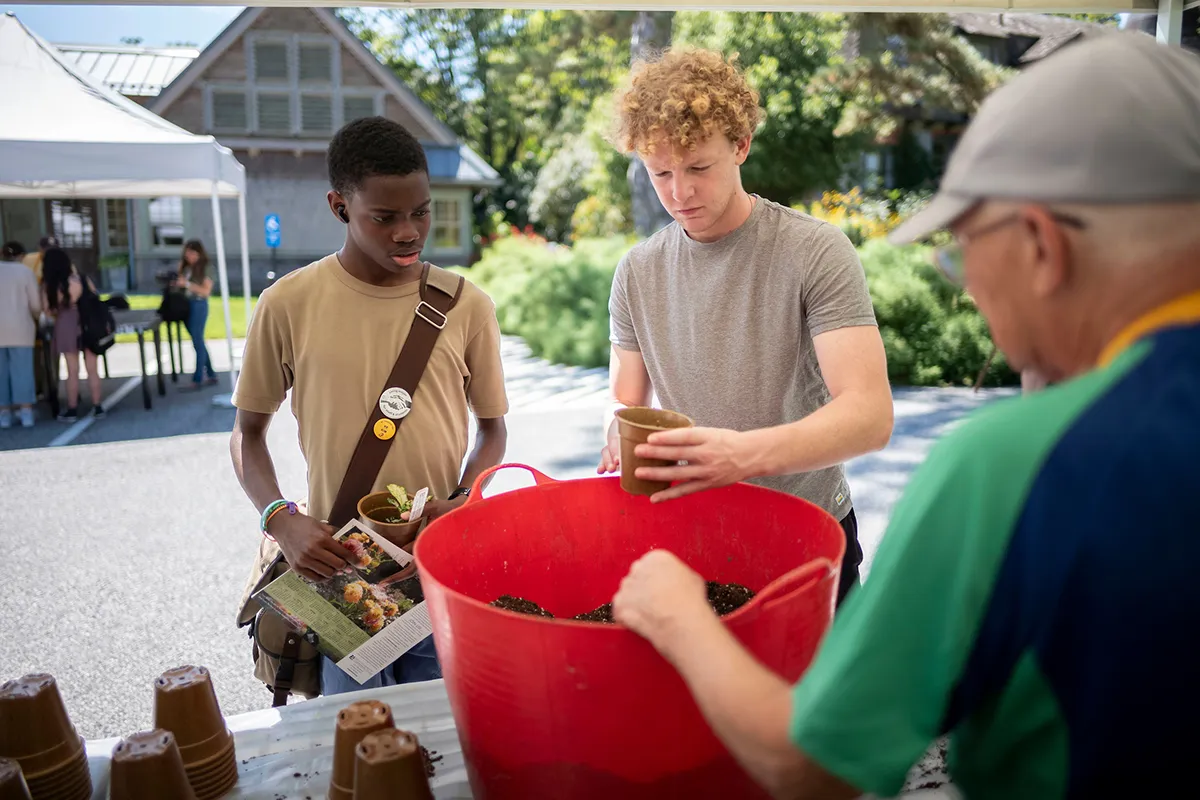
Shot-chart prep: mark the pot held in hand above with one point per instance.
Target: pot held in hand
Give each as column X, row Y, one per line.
column 381, row 516
column 635, row 425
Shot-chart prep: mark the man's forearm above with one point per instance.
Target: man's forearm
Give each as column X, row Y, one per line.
column 254, row 468
column 847, row 427
column 490, row 444
column 749, row 709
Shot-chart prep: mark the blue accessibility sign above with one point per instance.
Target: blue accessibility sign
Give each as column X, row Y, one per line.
column 272, row 230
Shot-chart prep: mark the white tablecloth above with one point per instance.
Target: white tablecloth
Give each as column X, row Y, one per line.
column 288, row 752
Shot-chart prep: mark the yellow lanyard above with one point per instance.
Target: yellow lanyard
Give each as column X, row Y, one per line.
column 1181, row 311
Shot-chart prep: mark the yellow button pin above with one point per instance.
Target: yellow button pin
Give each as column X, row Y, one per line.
column 385, row 429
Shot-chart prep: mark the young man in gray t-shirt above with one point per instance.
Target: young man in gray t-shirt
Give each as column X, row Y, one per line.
column 751, row 318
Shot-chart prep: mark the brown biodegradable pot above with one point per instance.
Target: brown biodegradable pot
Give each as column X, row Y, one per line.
column 214, row 776
column 34, row 727
column 71, row 780
column 388, row 766
column 354, row 723
column 185, row 703
column 147, row 766
column 12, row 782
column 635, row 425
column 399, row 534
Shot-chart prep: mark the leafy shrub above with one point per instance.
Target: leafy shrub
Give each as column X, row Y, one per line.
column 934, row 335
column 556, row 299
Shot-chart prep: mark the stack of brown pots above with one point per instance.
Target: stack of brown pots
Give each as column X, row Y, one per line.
column 147, row 766
column 374, row 761
column 36, row 732
column 185, row 704
column 354, row 723
column 12, row 782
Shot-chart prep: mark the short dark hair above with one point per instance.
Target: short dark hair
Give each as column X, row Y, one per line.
column 13, row 249
column 369, row 147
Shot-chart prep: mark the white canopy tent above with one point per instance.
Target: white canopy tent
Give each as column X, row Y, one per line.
column 68, row 136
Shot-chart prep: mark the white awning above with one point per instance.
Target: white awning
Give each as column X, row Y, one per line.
column 63, row 134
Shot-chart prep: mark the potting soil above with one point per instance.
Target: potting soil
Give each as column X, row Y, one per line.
column 725, row 598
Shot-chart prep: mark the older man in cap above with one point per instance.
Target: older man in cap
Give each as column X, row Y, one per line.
column 1035, row 594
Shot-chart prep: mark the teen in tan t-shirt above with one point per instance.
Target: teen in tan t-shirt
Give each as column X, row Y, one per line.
column 329, row 335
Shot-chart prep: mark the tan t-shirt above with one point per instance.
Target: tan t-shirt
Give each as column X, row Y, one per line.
column 332, row 340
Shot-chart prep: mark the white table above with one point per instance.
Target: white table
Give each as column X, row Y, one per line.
column 288, row 751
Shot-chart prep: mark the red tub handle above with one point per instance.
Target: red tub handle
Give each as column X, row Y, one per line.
column 798, row 580
column 477, row 490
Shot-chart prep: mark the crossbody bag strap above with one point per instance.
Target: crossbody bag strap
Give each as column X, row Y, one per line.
column 440, row 291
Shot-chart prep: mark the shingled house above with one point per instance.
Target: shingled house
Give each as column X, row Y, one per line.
column 273, row 87
column 928, row 135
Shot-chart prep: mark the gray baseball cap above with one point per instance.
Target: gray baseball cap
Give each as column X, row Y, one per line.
column 1112, row 119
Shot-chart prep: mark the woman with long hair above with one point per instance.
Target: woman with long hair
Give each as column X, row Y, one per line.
column 62, row 287
column 193, row 276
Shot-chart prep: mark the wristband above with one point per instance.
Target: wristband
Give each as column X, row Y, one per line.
column 271, row 510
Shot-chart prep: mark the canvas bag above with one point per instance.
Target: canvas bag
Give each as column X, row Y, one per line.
column 285, row 661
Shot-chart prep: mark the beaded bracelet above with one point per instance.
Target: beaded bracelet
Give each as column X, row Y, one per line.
column 271, row 510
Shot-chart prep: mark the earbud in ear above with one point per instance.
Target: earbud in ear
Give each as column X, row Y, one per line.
column 341, row 211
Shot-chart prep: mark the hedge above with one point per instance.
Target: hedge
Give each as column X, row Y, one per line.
column 556, row 299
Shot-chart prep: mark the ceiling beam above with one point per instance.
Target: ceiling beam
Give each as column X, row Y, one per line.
column 947, row 6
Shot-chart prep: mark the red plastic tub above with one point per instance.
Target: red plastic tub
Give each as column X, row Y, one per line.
column 567, row 710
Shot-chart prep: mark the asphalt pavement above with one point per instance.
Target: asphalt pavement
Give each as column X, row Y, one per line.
column 127, row 549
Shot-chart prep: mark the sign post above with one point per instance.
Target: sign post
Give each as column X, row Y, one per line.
column 273, row 233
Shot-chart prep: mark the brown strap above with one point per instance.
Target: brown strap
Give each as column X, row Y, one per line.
column 437, row 299
column 287, row 669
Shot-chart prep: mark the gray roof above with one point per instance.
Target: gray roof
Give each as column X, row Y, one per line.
column 1050, row 32
column 132, row 71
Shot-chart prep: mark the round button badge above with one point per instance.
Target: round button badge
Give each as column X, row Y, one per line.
column 385, row 429
column 395, row 403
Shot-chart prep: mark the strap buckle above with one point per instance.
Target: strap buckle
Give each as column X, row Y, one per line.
column 424, row 314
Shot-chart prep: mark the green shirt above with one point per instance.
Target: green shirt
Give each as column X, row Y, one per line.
column 1009, row 601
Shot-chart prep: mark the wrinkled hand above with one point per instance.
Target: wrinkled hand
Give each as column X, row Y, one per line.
column 610, row 456
column 660, row 598
column 715, row 457
column 308, row 545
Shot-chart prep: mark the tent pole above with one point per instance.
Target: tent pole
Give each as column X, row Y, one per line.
column 245, row 259
column 223, row 273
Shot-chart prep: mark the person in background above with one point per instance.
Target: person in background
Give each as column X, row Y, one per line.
column 20, row 307
column 1034, row 595
column 35, row 260
column 193, row 276
column 62, row 286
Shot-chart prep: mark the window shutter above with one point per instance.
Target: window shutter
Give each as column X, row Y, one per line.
column 274, row 113
column 270, row 61
column 229, row 111
column 357, row 107
column 316, row 63
column 316, row 113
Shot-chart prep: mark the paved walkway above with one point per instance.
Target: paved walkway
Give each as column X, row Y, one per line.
column 145, row 538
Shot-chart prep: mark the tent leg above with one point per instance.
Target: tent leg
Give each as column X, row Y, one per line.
column 223, row 273
column 1169, row 28
column 245, row 243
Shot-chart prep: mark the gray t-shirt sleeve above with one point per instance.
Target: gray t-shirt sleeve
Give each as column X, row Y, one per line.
column 835, row 285
column 621, row 330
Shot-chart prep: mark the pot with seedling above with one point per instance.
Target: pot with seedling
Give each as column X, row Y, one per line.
column 381, row 512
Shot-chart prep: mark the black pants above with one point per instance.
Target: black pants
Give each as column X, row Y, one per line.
column 852, row 558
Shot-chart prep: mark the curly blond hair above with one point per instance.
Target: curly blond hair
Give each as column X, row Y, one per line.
column 685, row 97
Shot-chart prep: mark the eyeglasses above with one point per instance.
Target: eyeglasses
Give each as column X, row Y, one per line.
column 949, row 258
